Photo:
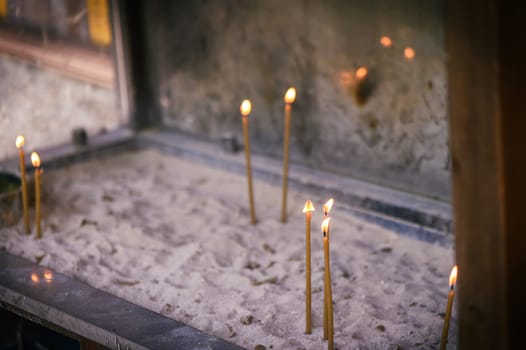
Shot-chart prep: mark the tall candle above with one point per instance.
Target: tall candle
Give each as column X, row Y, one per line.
column 326, row 209
column 289, row 98
column 35, row 159
column 25, row 202
column 246, row 108
column 449, row 307
column 308, row 209
column 328, row 289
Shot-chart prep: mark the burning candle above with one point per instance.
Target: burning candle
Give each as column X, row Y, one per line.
column 386, row 41
column 361, row 73
column 25, row 203
column 35, row 159
column 326, row 209
column 308, row 209
column 362, row 85
column 246, row 108
column 289, row 98
column 409, row 53
column 450, row 297
column 328, row 290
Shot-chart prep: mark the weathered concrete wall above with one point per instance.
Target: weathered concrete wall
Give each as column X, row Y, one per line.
column 211, row 54
column 45, row 107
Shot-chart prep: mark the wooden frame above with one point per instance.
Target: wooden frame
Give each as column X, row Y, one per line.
column 485, row 44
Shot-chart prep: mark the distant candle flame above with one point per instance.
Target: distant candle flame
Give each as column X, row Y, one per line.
column 386, row 41
column 409, row 53
column 35, row 159
column 327, row 206
column 308, row 207
column 35, row 278
column 19, row 141
column 361, row 73
column 48, row 275
column 290, row 95
column 346, row 79
column 325, row 226
column 453, row 277
column 246, row 108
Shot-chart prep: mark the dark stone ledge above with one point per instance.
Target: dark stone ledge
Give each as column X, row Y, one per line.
column 63, row 303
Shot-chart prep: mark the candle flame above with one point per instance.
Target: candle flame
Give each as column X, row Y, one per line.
column 308, row 207
column 409, row 53
column 325, row 226
column 48, row 275
column 19, row 141
column 361, row 73
column 453, row 277
column 386, row 41
column 327, row 206
column 246, row 108
column 35, row 159
column 290, row 95
column 35, row 278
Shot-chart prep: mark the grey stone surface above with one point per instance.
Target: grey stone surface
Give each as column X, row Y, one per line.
column 45, row 107
column 209, row 55
column 50, row 297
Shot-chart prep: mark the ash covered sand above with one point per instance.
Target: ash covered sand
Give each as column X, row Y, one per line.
column 174, row 236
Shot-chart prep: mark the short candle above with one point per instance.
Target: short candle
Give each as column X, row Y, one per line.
column 450, row 297
column 25, row 202
column 35, row 159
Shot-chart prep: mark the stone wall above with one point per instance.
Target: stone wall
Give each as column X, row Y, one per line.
column 209, row 55
column 45, row 107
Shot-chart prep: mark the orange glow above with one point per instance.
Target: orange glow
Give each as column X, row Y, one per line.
column 308, row 207
column 19, row 141
column 409, row 53
column 327, row 206
column 35, row 159
column 325, row 226
column 290, row 95
column 386, row 41
column 453, row 277
column 35, row 278
column 346, row 79
column 48, row 275
column 246, row 108
column 361, row 73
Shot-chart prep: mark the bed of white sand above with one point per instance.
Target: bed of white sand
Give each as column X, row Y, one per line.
column 174, row 236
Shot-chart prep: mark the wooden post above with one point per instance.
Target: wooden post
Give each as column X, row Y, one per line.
column 485, row 45
column 86, row 344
